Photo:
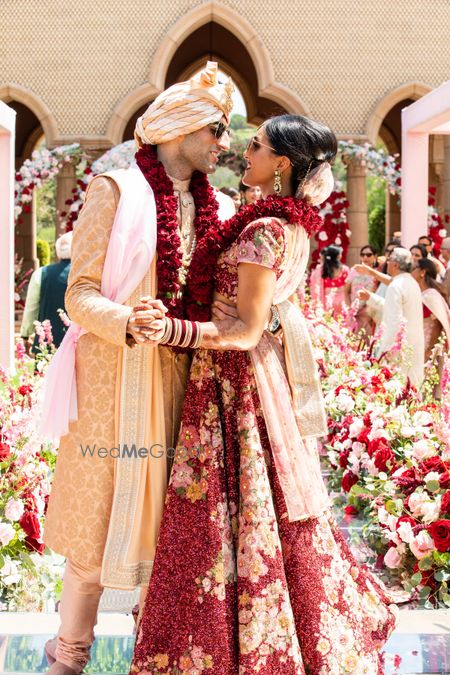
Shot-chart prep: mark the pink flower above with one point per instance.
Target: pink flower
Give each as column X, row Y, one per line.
column 422, row 545
column 182, row 475
column 393, row 559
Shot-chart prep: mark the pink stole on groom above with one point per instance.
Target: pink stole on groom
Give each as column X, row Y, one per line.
column 131, row 249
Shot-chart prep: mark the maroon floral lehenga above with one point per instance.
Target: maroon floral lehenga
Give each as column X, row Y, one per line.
column 236, row 587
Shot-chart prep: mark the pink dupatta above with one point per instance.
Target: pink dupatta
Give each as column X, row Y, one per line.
column 131, row 249
column 295, row 415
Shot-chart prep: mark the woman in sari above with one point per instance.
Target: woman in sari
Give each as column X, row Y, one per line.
column 436, row 313
column 329, row 280
column 251, row 572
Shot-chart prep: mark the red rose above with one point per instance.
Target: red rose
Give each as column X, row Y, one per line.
column 363, row 436
column 5, row 451
column 34, row 545
column 343, row 459
column 386, row 373
column 376, row 445
column 30, row 524
column 408, row 481
column 440, row 531
column 382, row 457
column 444, row 479
column 432, row 464
column 348, row 479
column 25, row 389
column 445, row 504
column 351, row 510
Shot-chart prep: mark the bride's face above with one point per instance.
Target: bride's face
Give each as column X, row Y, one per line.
column 262, row 161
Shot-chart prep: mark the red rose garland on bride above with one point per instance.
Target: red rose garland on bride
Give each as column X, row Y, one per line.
column 213, row 236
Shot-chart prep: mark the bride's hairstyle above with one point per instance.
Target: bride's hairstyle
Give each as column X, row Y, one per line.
column 305, row 142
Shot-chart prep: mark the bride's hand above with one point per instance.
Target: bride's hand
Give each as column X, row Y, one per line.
column 154, row 332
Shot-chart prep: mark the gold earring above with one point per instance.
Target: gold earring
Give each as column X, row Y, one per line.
column 277, row 182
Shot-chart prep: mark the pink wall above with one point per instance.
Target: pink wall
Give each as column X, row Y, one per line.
column 429, row 115
column 7, row 136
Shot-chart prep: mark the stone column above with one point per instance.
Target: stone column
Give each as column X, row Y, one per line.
column 66, row 181
column 357, row 211
column 446, row 181
column 393, row 223
column 26, row 232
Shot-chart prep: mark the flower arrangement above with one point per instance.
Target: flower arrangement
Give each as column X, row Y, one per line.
column 335, row 228
column 43, row 165
column 388, row 452
column 28, row 575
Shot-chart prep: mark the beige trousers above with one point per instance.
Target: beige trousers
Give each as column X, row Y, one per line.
column 78, row 614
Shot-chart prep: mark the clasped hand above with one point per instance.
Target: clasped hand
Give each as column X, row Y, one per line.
column 146, row 323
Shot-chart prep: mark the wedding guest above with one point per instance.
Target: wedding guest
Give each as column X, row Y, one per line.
column 402, row 305
column 329, row 280
column 234, row 194
column 418, row 252
column 426, row 241
column 445, row 253
column 45, row 295
column 249, row 194
column 360, row 278
column 435, row 306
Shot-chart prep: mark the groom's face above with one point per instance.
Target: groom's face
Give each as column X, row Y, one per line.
column 202, row 148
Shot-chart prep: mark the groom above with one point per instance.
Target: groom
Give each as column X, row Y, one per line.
column 135, row 236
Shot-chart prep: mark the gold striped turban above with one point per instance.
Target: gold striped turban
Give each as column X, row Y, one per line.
column 186, row 107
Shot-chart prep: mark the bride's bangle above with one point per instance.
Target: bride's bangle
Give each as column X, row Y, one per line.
column 179, row 333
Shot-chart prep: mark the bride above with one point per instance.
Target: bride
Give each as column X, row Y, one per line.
column 251, row 573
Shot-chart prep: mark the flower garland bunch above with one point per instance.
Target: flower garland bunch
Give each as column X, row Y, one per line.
column 388, row 456
column 44, row 165
column 25, row 473
column 335, row 227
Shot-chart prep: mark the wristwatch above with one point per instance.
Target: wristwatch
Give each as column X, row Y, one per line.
column 274, row 322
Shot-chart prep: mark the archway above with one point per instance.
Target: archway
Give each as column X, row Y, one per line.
column 210, row 31
column 28, row 130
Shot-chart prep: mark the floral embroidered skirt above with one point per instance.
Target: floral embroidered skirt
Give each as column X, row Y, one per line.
column 237, row 588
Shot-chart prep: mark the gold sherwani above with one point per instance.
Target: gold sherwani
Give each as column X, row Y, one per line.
column 83, row 491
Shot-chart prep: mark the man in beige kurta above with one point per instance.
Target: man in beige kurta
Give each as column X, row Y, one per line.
column 104, row 512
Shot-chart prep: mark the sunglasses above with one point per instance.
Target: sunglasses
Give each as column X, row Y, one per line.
column 254, row 144
column 218, row 129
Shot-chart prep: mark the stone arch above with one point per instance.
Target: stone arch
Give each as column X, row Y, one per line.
column 405, row 94
column 175, row 56
column 16, row 92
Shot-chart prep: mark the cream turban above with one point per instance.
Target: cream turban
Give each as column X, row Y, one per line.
column 63, row 246
column 186, row 107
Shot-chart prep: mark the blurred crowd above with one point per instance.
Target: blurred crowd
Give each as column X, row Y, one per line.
column 401, row 291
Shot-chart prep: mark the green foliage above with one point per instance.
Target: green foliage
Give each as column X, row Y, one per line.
column 239, row 122
column 376, row 206
column 45, row 205
column 224, row 177
column 43, row 252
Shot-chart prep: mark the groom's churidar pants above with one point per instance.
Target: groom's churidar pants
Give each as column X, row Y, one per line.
column 82, row 591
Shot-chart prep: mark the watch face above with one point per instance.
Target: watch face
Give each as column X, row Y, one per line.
column 274, row 325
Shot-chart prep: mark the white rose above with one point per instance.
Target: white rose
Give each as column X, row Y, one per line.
column 345, row 403
column 356, row 427
column 7, row 533
column 422, row 450
column 405, row 532
column 422, row 418
column 14, row 509
column 433, row 475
